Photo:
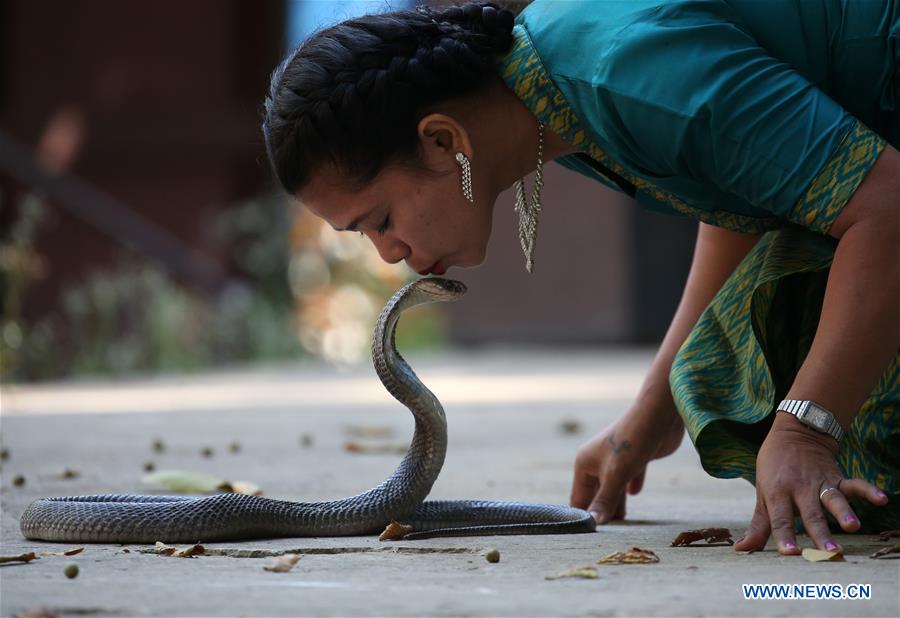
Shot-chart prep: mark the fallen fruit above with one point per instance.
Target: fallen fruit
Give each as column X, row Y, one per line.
column 492, row 555
column 570, row 426
column 71, row 570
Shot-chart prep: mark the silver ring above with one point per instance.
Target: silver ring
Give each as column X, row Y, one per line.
column 825, row 491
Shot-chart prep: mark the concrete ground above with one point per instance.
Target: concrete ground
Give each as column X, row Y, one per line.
column 505, row 410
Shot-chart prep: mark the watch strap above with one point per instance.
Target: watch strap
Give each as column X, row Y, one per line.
column 801, row 409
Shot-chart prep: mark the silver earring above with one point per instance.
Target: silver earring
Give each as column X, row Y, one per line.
column 463, row 161
column 529, row 211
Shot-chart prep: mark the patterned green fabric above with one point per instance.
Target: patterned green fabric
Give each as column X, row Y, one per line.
column 742, row 356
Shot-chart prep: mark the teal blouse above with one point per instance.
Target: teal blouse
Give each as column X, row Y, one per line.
column 740, row 113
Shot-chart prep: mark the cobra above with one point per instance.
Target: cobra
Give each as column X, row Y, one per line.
column 121, row 518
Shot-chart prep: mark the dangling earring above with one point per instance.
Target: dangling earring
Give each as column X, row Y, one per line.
column 529, row 212
column 463, row 161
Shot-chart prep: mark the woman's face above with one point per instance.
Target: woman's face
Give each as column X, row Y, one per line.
column 417, row 216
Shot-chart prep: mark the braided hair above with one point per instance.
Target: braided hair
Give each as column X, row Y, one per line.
column 352, row 94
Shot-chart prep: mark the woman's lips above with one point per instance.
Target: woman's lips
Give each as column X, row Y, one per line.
column 434, row 269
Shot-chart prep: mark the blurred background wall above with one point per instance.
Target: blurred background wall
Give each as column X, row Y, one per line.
column 141, row 229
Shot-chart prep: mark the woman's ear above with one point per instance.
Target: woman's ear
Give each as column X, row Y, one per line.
column 440, row 138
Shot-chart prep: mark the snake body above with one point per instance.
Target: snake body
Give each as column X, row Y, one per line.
column 122, row 518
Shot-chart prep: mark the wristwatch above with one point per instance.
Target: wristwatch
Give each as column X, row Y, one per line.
column 812, row 414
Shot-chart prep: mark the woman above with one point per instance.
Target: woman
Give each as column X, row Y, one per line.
column 776, row 125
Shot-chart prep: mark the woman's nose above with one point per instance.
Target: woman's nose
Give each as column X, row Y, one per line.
column 390, row 248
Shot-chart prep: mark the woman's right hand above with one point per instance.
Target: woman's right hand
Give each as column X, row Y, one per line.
column 615, row 460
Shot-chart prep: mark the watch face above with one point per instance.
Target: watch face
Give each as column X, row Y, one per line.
column 817, row 418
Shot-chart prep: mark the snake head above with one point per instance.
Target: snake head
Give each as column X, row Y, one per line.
column 437, row 288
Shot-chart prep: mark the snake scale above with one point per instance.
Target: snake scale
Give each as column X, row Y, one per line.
column 121, row 518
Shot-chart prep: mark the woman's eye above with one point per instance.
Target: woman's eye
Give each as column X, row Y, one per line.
column 385, row 225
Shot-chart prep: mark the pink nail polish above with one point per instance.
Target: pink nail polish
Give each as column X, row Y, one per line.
column 850, row 519
column 790, row 546
column 830, row 546
column 880, row 494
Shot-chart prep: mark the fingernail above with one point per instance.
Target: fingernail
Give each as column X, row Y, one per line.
column 595, row 515
column 739, row 540
column 880, row 494
column 790, row 546
column 830, row 546
column 850, row 519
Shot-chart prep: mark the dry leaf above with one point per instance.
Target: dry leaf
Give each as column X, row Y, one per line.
column 245, row 487
column 890, row 534
column 584, row 572
column 20, row 558
column 820, row 555
column 364, row 431
column 635, row 555
column 368, row 449
column 183, row 482
column 282, row 564
column 395, row 531
column 187, row 552
column 68, row 552
column 710, row 535
column 884, row 551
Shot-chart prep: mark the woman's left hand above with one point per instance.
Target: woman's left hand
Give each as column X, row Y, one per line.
column 796, row 472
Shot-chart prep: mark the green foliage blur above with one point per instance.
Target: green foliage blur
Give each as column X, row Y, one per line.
column 133, row 317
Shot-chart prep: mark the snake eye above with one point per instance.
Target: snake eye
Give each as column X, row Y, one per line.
column 441, row 287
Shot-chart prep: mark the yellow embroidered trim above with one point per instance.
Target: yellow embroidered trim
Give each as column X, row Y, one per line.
column 832, row 187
